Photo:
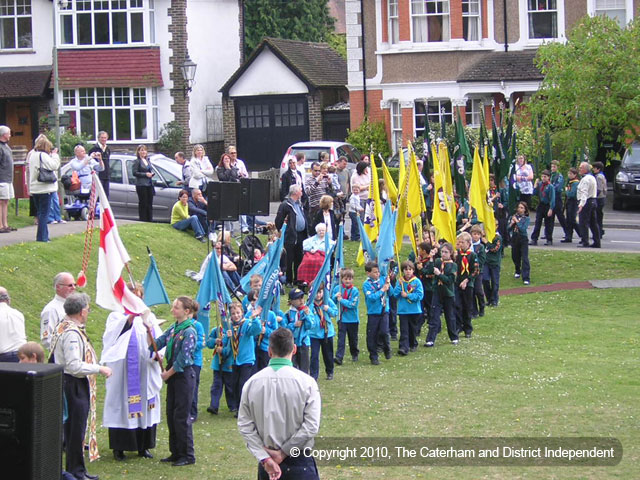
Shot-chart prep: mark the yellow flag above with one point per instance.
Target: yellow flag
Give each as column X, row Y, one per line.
column 443, row 208
column 490, row 219
column 402, row 167
column 415, row 203
column 392, row 190
column 403, row 208
column 373, row 210
column 478, row 191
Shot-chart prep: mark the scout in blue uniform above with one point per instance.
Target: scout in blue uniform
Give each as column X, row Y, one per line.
column 222, row 366
column 467, row 273
column 242, row 336
column 376, row 297
column 544, row 211
column 478, row 301
column 197, row 367
column 409, row 293
column 444, row 270
column 347, row 297
column 491, row 272
column 262, row 339
column 571, row 192
column 300, row 320
column 322, row 334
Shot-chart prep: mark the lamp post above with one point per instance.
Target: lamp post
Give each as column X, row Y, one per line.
column 188, row 70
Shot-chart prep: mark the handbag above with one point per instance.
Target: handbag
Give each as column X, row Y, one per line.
column 46, row 175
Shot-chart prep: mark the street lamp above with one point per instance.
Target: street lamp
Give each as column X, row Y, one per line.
column 188, row 70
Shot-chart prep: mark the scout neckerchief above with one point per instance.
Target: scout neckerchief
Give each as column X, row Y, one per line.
column 320, row 313
column 178, row 328
column 346, row 291
column 570, row 184
column 377, row 287
column 543, row 186
column 235, row 338
column 68, row 325
column 297, row 312
column 410, row 287
column 464, row 263
column 444, row 267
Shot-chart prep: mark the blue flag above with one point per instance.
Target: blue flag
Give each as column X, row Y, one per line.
column 338, row 263
column 258, row 269
column 323, row 275
column 212, row 292
column 367, row 247
column 271, row 277
column 386, row 239
column 154, row 291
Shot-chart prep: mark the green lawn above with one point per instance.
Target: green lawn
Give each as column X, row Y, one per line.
column 551, row 364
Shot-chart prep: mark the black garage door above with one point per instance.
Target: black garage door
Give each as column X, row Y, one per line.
column 266, row 126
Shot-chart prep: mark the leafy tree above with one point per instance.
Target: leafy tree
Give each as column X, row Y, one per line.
column 590, row 84
column 68, row 141
column 306, row 20
column 370, row 135
column 171, row 138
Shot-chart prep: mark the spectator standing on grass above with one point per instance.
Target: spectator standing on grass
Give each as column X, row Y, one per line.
column 12, row 327
column 53, row 313
column 280, row 413
column 316, row 186
column 355, row 210
column 601, row 198
column 6, row 178
column 43, row 156
column 361, row 178
column 291, row 176
column 103, row 149
column 291, row 211
column 587, row 205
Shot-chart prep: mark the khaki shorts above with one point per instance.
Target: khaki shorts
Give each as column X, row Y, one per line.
column 6, row 191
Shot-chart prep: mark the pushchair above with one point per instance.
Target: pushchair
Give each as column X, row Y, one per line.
column 248, row 247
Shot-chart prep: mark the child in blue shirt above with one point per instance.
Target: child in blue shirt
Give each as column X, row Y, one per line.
column 347, row 297
column 322, row 334
column 262, row 340
column 222, row 366
column 375, row 293
column 409, row 293
column 242, row 334
column 300, row 320
column 197, row 366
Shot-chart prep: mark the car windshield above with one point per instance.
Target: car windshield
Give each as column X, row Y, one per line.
column 167, row 170
column 632, row 157
column 312, row 154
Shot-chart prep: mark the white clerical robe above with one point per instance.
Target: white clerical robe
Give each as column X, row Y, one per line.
column 114, row 355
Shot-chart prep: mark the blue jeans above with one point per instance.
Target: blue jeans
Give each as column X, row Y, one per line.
column 355, row 231
column 54, row 209
column 232, row 280
column 43, row 202
column 191, row 222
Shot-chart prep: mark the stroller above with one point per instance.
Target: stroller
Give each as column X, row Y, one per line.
column 248, row 247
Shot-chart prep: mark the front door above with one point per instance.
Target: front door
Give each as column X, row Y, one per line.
column 266, row 126
column 18, row 115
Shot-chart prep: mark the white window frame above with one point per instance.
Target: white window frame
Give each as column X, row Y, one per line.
column 107, row 99
column 439, row 103
column 396, row 125
column 394, row 23
column 472, row 16
column 473, row 108
column 524, row 23
column 15, row 18
column 420, row 36
column 70, row 11
column 593, row 9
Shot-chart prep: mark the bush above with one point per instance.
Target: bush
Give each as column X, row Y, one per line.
column 393, row 171
column 68, row 141
column 170, row 140
column 370, row 135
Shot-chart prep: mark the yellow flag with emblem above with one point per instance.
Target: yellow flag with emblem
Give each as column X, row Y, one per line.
column 478, row 195
column 373, row 210
column 444, row 207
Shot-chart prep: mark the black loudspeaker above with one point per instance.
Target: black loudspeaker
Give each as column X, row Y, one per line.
column 255, row 196
column 224, row 201
column 31, row 421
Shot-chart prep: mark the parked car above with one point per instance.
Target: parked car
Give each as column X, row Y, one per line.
column 122, row 189
column 626, row 184
column 394, row 160
column 312, row 153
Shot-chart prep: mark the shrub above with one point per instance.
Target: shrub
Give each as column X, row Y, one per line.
column 68, row 141
column 370, row 135
column 170, row 140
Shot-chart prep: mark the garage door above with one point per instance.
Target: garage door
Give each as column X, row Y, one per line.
column 266, row 126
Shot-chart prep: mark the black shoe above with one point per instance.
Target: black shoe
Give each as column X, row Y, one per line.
column 593, row 245
column 375, row 361
column 387, row 355
column 474, row 315
column 212, row 411
column 182, row 462
column 467, row 335
column 582, row 245
column 337, row 361
column 169, row 459
column 533, row 242
column 145, row 454
column 402, row 353
column 90, row 477
column 235, row 415
column 119, row 455
column 354, row 358
column 549, row 242
column 394, row 338
column 413, row 349
column 481, row 313
column 329, row 376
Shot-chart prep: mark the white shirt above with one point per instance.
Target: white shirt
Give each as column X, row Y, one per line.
column 13, row 335
column 201, row 171
column 51, row 315
column 69, row 352
column 279, row 409
column 242, row 168
column 587, row 188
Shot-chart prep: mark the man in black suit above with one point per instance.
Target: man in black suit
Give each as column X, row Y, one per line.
column 102, row 148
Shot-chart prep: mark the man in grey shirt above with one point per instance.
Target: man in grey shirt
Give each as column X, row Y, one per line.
column 279, row 415
column 6, row 178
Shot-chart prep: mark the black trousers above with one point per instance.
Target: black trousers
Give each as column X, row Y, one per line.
column 196, row 388
column 393, row 316
column 301, row 358
column 324, row 345
column 145, row 203
column 262, row 359
column 180, row 388
column 294, row 259
column 464, row 304
column 347, row 330
column 588, row 221
column 377, row 333
column 520, row 255
column 221, row 379
column 294, row 468
column 105, row 185
column 438, row 305
column 76, row 392
column 572, row 212
column 600, row 213
column 559, row 214
column 541, row 215
column 478, row 300
column 409, row 324
column 491, row 281
column 239, row 376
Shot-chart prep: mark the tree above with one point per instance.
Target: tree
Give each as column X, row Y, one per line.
column 590, row 85
column 368, row 136
column 306, row 20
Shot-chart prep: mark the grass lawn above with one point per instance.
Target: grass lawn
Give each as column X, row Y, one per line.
column 545, row 364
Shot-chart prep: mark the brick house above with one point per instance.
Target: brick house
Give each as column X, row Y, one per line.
column 416, row 60
column 119, row 66
column 285, row 92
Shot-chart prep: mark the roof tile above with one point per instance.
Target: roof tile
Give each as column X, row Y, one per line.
column 499, row 66
column 24, row 82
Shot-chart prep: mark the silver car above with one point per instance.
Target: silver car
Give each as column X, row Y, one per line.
column 122, row 186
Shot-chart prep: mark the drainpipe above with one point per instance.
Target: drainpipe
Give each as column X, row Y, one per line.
column 506, row 31
column 364, row 63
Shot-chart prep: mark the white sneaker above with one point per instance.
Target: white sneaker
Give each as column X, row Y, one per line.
column 454, row 342
column 526, row 282
column 516, row 275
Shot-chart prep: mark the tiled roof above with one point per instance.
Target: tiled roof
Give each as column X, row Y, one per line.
column 110, row 67
column 498, row 66
column 24, row 81
column 317, row 64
